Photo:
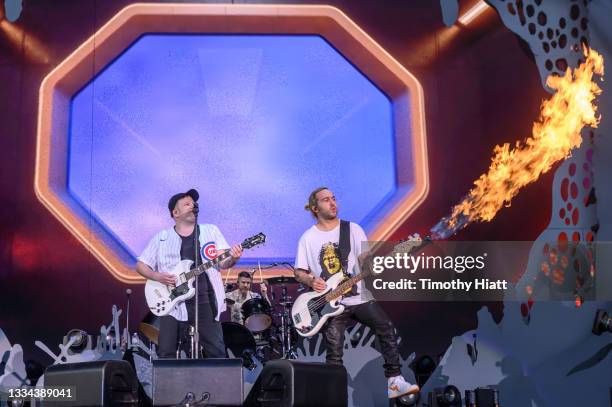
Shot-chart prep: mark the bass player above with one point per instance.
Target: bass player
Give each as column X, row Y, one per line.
column 323, row 250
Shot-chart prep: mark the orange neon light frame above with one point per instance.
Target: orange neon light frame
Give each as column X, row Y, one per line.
column 127, row 25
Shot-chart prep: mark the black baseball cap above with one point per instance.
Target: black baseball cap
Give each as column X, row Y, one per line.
column 175, row 198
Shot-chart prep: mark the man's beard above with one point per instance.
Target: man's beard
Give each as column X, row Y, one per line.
column 189, row 217
column 330, row 215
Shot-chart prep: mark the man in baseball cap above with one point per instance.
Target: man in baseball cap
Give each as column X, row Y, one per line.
column 160, row 261
column 175, row 198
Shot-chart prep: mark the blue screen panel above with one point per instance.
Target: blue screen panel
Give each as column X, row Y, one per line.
column 254, row 122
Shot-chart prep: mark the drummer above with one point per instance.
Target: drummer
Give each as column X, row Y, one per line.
column 242, row 294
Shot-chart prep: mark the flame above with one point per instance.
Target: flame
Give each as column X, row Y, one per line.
column 555, row 134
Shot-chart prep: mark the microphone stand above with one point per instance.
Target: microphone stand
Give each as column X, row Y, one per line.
column 127, row 319
column 195, row 350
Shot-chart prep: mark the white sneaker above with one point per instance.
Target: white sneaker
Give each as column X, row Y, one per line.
column 398, row 386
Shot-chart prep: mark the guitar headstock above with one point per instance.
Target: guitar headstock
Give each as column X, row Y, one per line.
column 408, row 245
column 253, row 241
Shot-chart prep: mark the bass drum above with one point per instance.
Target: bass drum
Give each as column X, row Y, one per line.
column 256, row 314
column 239, row 340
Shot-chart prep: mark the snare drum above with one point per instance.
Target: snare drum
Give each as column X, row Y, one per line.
column 256, row 314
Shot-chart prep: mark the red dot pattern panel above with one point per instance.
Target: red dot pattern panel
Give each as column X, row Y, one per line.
column 569, row 31
column 575, row 190
column 566, row 267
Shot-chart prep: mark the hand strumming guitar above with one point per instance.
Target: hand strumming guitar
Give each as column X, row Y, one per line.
column 166, row 278
column 318, row 284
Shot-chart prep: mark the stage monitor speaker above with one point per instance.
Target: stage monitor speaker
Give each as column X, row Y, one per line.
column 289, row 383
column 210, row 382
column 98, row 383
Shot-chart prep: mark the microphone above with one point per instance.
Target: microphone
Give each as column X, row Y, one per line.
column 196, row 208
column 128, row 291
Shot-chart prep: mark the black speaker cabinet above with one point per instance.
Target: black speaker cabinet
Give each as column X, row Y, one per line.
column 210, row 382
column 485, row 397
column 98, row 383
column 289, row 383
column 448, row 396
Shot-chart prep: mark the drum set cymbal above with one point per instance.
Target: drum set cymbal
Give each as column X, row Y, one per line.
column 281, row 280
column 150, row 327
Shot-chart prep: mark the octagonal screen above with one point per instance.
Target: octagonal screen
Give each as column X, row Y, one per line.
column 254, row 122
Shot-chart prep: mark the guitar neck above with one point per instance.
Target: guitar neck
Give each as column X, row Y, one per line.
column 348, row 283
column 204, row 266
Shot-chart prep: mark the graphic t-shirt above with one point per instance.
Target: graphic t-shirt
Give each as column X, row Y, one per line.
column 318, row 251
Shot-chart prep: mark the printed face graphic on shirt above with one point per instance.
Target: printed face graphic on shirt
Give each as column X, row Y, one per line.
column 329, row 259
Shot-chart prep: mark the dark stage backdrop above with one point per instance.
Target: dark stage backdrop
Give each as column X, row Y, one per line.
column 481, row 89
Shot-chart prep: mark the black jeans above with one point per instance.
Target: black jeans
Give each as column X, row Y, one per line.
column 373, row 316
column 211, row 334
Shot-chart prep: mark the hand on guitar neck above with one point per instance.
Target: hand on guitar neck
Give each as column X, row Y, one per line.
column 235, row 253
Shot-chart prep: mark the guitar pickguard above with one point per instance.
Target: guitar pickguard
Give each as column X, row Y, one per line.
column 318, row 312
column 179, row 290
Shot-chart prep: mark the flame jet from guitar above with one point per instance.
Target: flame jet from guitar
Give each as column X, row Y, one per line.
column 555, row 134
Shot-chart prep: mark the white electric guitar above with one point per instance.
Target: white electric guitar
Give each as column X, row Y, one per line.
column 311, row 310
column 161, row 298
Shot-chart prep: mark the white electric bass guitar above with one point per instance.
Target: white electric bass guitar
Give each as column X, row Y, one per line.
column 311, row 310
column 161, row 298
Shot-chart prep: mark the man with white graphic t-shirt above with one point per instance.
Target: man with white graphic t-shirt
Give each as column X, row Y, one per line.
column 165, row 250
column 319, row 256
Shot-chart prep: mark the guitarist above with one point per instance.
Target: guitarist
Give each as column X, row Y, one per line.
column 323, row 250
column 165, row 250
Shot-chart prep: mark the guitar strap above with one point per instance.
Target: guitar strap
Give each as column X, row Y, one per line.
column 344, row 246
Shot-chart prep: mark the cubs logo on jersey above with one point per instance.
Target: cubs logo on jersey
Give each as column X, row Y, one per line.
column 209, row 251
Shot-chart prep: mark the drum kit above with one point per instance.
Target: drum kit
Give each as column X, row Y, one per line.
column 266, row 333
